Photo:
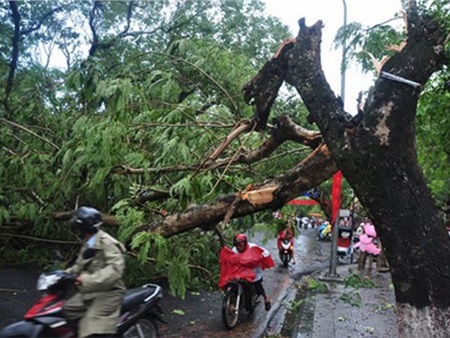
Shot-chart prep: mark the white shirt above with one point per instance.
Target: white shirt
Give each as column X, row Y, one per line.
column 91, row 241
column 258, row 269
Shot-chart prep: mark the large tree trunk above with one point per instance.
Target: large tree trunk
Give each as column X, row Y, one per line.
column 377, row 156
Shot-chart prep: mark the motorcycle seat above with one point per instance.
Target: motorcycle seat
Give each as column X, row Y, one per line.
column 134, row 297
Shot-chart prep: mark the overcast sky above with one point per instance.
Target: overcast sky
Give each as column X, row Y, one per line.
column 331, row 12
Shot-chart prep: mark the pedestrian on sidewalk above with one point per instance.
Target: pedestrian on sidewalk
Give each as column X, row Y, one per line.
column 367, row 245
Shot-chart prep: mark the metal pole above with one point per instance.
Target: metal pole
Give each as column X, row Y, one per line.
column 344, row 55
column 332, row 275
column 333, row 254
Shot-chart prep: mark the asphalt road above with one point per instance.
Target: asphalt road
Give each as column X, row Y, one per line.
column 17, row 292
column 201, row 312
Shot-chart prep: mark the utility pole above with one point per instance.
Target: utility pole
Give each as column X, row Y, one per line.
column 332, row 274
column 344, row 55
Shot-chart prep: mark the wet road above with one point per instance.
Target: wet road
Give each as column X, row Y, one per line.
column 17, row 293
column 279, row 282
column 205, row 321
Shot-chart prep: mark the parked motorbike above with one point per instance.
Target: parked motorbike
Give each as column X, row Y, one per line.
column 285, row 250
column 239, row 295
column 139, row 317
column 345, row 243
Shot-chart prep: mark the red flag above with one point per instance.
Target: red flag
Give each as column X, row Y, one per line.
column 336, row 195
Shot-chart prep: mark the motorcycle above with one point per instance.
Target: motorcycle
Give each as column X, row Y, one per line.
column 236, row 280
column 239, row 295
column 305, row 223
column 285, row 247
column 139, row 316
column 324, row 232
column 345, row 243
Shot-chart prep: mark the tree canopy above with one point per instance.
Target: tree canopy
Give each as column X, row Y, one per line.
column 125, row 103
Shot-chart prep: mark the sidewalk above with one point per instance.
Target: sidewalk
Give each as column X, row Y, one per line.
column 349, row 311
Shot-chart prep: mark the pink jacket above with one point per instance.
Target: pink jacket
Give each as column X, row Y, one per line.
column 365, row 243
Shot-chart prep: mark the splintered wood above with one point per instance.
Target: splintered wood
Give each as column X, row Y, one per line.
column 260, row 196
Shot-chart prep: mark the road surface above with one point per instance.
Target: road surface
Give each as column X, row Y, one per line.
column 200, row 312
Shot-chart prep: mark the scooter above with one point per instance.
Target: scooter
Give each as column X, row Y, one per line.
column 139, row 317
column 285, row 250
column 239, row 295
column 345, row 243
column 236, row 280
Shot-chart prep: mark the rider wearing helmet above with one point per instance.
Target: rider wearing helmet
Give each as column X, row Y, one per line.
column 98, row 270
column 87, row 220
column 241, row 244
column 287, row 233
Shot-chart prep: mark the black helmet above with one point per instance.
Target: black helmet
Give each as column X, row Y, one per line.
column 87, row 219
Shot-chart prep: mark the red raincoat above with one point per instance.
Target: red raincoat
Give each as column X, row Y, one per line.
column 286, row 233
column 240, row 265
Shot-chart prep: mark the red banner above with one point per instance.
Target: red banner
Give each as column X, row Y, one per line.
column 302, row 202
column 336, row 195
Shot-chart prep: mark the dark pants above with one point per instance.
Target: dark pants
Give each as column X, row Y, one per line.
column 259, row 288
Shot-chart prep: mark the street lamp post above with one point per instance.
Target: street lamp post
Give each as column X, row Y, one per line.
column 332, row 274
column 344, row 55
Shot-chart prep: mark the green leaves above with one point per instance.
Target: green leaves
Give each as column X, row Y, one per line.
column 357, row 281
column 433, row 144
column 132, row 114
column 362, row 42
column 316, row 286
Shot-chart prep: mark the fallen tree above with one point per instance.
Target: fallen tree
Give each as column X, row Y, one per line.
column 376, row 152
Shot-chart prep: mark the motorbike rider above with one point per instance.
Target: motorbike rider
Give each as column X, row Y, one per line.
column 287, row 233
column 98, row 269
column 241, row 244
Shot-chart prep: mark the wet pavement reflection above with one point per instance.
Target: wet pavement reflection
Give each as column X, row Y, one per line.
column 280, row 282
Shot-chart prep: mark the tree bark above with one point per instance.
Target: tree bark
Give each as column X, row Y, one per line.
column 378, row 158
column 376, row 153
column 311, row 172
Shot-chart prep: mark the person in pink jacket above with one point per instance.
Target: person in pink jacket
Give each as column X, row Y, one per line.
column 367, row 245
column 366, row 240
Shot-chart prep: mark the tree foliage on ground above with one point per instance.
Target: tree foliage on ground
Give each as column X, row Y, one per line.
column 116, row 105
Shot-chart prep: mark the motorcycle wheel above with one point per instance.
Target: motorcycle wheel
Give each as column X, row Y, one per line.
column 285, row 260
column 230, row 310
column 143, row 328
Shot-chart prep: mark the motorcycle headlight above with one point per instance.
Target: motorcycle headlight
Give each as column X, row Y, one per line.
column 45, row 280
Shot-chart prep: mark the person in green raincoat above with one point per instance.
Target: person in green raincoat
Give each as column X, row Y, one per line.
column 98, row 269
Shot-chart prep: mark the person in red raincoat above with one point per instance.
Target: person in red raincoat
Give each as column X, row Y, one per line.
column 246, row 261
column 288, row 234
